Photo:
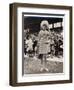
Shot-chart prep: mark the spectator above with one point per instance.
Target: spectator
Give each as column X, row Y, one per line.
column 29, row 45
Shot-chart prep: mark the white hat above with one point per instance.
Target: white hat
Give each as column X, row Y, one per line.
column 44, row 22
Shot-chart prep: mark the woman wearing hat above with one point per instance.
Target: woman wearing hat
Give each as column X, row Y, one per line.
column 43, row 43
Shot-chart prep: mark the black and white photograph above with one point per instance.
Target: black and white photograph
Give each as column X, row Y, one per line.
column 40, row 44
column 42, row 37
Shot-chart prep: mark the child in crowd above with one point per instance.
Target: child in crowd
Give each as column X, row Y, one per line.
column 29, row 44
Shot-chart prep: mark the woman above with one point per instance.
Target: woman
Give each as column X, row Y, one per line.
column 43, row 43
column 52, row 49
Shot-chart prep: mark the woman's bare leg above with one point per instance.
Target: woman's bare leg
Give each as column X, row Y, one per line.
column 45, row 63
column 42, row 66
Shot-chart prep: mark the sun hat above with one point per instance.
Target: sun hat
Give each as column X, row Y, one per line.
column 44, row 22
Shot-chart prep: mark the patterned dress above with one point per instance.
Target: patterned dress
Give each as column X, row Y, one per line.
column 43, row 42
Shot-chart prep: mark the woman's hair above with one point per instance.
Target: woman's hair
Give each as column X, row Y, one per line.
column 44, row 23
column 28, row 36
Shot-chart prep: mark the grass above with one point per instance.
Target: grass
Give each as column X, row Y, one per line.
column 33, row 66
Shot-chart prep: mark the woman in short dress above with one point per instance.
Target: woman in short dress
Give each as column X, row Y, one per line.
column 43, row 43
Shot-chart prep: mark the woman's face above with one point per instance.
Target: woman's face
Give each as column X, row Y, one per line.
column 44, row 27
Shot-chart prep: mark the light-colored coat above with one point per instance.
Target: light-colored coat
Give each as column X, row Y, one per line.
column 43, row 42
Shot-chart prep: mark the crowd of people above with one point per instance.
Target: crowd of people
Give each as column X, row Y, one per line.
column 43, row 43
